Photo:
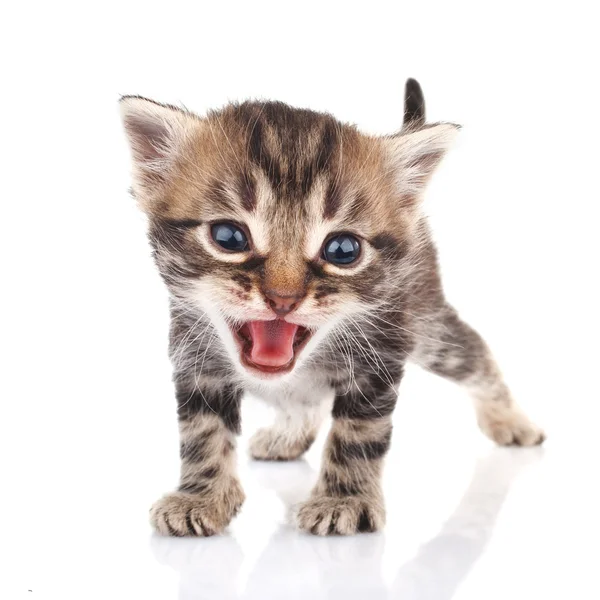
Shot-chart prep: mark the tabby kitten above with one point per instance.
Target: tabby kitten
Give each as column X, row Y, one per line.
column 300, row 267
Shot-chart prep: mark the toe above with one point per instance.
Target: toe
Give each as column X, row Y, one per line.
column 180, row 514
column 344, row 516
column 513, row 432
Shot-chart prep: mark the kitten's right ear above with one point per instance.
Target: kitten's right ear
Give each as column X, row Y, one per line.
column 415, row 154
column 156, row 133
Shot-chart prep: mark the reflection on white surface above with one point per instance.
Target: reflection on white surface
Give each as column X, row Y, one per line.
column 442, row 563
column 298, row 566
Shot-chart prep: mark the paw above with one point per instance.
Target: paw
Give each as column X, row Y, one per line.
column 273, row 444
column 347, row 515
column 512, row 429
column 180, row 514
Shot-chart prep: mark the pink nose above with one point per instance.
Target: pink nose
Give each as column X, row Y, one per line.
column 281, row 303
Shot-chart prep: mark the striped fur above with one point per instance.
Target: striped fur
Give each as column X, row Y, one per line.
column 209, row 493
column 450, row 348
column 290, row 179
column 348, row 496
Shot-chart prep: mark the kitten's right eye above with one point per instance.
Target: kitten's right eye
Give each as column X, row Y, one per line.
column 230, row 237
column 342, row 249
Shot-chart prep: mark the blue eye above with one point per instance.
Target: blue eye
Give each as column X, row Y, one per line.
column 342, row 249
column 230, row 237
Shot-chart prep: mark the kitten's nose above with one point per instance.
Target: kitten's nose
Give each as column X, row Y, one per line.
column 282, row 303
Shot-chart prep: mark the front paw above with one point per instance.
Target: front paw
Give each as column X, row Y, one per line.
column 346, row 515
column 201, row 515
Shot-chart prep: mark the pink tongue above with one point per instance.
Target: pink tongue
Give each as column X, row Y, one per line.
column 272, row 342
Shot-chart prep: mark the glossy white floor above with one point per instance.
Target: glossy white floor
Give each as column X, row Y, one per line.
column 466, row 520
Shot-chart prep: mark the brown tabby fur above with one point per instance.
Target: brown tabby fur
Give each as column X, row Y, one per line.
column 291, row 178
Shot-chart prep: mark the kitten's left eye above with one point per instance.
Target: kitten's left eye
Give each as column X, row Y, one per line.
column 230, row 237
column 342, row 249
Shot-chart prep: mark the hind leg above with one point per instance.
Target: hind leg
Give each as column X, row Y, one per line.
column 449, row 347
column 295, row 428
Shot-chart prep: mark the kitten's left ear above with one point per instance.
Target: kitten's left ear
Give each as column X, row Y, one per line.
column 156, row 134
column 415, row 155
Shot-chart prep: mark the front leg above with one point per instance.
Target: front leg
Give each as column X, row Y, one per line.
column 209, row 493
column 348, row 497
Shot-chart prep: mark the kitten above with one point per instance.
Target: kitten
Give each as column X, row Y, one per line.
column 300, row 268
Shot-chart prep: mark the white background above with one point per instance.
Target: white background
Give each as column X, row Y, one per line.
column 88, row 430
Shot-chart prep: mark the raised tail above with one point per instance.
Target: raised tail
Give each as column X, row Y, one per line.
column 414, row 105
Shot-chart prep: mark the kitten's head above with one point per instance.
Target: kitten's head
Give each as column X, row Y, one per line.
column 280, row 223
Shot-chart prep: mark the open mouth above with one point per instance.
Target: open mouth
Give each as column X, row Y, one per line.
column 271, row 347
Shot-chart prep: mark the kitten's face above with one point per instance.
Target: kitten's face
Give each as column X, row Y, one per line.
column 278, row 223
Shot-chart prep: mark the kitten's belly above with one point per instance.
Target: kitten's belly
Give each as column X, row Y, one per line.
column 303, row 392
